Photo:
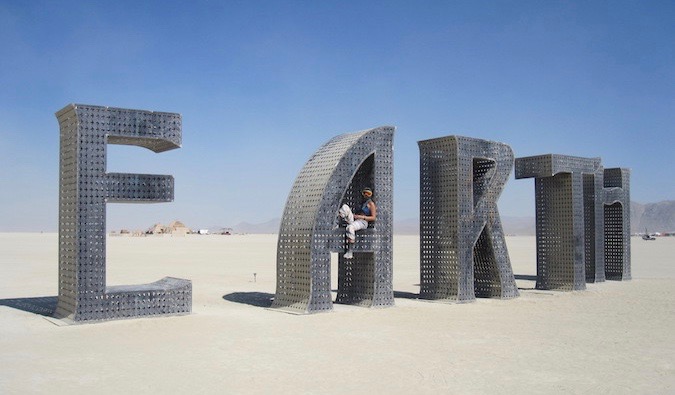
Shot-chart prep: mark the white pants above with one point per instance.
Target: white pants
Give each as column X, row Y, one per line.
column 352, row 225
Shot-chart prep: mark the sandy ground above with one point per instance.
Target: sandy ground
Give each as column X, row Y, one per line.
column 615, row 337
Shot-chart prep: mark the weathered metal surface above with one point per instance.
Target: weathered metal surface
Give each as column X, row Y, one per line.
column 310, row 229
column 463, row 252
column 617, row 224
column 559, row 202
column 84, row 190
column 594, row 226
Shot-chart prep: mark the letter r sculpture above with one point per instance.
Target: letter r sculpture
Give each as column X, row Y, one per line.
column 84, row 190
column 462, row 247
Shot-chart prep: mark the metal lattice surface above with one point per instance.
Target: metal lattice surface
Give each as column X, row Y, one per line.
column 84, row 190
column 559, row 201
column 310, row 229
column 617, row 224
column 594, row 226
column 463, row 252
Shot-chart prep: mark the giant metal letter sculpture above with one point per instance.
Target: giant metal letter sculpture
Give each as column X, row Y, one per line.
column 85, row 187
column 594, row 226
column 310, row 230
column 462, row 248
column 559, row 200
column 617, row 224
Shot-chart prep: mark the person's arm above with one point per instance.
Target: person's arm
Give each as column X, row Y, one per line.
column 373, row 213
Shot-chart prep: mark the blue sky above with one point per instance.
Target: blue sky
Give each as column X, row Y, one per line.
column 262, row 84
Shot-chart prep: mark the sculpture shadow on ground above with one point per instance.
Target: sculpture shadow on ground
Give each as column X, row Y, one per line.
column 525, row 277
column 406, row 295
column 42, row 305
column 257, row 299
column 401, row 294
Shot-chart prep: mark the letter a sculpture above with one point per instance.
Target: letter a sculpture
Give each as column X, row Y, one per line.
column 84, row 190
column 462, row 247
column 311, row 230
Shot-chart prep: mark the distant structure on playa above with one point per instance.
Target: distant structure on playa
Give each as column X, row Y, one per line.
column 462, row 246
column 582, row 219
column 310, row 230
column 84, row 190
column 175, row 228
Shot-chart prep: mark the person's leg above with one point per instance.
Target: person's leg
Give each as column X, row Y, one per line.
column 360, row 224
column 355, row 226
column 346, row 213
column 349, row 254
column 351, row 232
column 351, row 235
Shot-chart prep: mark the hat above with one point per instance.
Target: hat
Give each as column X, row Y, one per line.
column 367, row 192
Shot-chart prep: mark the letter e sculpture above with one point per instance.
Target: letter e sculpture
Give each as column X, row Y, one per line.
column 84, row 190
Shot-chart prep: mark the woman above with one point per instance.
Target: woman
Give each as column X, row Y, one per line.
column 355, row 222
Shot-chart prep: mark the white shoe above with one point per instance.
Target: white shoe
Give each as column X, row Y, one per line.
column 348, row 255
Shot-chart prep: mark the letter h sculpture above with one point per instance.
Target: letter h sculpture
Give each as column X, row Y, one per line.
column 310, row 228
column 463, row 252
column 583, row 220
column 616, row 211
column 84, row 190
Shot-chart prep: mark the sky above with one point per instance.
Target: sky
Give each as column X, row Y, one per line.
column 261, row 85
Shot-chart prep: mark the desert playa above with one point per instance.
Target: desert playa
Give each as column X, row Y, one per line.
column 615, row 337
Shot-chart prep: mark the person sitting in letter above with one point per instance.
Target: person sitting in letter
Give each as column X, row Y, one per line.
column 355, row 222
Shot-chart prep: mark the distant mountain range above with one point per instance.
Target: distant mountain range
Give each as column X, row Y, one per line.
column 655, row 217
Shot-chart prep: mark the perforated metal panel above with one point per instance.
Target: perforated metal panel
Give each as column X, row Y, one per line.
column 594, row 227
column 310, row 228
column 559, row 200
column 617, row 224
column 463, row 252
column 84, row 190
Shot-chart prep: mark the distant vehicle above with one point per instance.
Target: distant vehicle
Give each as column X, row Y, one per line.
column 647, row 236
